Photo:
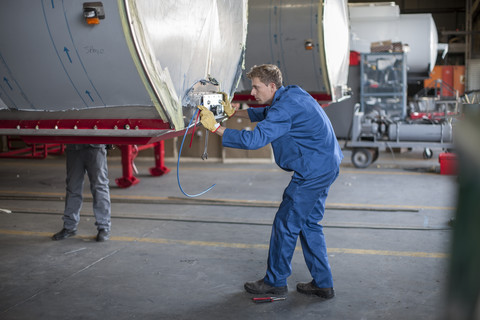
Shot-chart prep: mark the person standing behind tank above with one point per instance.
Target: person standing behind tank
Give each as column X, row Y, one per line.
column 90, row 159
column 304, row 142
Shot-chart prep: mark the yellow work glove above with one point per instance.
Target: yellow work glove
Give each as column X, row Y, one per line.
column 227, row 107
column 208, row 119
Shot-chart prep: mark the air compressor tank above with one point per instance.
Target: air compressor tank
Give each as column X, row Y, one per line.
column 420, row 132
column 308, row 40
column 74, row 68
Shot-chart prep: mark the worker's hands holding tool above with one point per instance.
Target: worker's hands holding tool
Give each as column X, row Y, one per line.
column 227, row 107
column 208, row 119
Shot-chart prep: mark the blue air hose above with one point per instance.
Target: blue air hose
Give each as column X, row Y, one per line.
column 178, row 164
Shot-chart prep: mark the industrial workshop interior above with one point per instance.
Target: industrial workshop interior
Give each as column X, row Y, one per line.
column 240, row 159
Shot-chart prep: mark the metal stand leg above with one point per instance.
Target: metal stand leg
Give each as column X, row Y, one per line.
column 129, row 152
column 160, row 169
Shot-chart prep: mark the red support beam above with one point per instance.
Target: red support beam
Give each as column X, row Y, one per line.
column 129, row 152
column 32, row 151
column 159, row 169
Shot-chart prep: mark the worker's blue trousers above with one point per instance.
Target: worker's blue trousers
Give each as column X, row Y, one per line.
column 299, row 214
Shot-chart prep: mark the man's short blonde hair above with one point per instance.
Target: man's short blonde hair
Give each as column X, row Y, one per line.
column 267, row 73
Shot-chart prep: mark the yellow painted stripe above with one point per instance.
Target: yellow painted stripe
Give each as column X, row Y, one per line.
column 389, row 253
column 389, row 173
column 25, row 233
column 32, row 193
column 236, row 245
column 385, row 206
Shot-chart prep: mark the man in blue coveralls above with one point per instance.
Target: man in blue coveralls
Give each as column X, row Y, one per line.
column 304, row 142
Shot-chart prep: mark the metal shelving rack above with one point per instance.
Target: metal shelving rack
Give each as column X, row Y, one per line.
column 383, row 84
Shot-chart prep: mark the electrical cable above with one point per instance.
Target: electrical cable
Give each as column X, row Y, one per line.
column 178, row 163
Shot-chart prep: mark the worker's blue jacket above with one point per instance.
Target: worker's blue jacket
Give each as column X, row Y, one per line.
column 299, row 130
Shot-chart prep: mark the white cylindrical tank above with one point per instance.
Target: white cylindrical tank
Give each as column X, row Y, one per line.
column 308, row 40
column 115, row 59
column 382, row 22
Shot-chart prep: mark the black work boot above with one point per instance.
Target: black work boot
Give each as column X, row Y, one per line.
column 103, row 235
column 310, row 288
column 64, row 234
column 260, row 287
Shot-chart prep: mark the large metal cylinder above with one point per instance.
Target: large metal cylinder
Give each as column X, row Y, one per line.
column 116, row 59
column 308, row 40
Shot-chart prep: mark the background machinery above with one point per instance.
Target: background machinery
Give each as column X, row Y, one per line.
column 382, row 120
column 391, row 51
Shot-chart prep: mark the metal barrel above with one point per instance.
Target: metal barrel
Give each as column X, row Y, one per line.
column 115, row 60
column 308, row 40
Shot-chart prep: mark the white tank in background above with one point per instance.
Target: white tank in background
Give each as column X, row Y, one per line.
column 374, row 22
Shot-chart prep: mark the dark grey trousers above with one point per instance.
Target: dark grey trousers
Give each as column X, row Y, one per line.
column 92, row 160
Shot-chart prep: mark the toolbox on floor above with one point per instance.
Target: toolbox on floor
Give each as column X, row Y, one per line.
column 448, row 163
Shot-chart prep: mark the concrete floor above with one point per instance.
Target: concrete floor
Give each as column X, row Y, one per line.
column 172, row 258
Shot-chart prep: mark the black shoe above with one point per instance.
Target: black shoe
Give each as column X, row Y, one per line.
column 310, row 288
column 260, row 287
column 64, row 234
column 103, row 235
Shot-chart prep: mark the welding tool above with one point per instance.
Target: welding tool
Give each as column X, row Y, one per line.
column 268, row 299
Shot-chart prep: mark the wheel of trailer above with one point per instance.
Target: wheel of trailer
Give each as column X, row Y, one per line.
column 362, row 157
column 427, row 153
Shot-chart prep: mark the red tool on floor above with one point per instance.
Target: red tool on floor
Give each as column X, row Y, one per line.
column 267, row 299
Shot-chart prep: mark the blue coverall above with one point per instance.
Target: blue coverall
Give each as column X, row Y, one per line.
column 304, row 142
column 90, row 159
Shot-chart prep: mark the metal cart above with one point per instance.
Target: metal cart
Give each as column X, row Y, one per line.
column 382, row 119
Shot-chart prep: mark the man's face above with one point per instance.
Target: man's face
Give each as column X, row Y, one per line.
column 263, row 93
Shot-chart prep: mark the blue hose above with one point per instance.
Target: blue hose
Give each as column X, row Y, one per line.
column 178, row 163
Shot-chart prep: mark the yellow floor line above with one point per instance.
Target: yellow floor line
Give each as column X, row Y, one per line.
column 384, row 206
column 236, row 245
column 390, row 173
column 32, row 193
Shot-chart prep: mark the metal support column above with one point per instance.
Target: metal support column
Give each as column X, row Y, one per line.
column 130, row 152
